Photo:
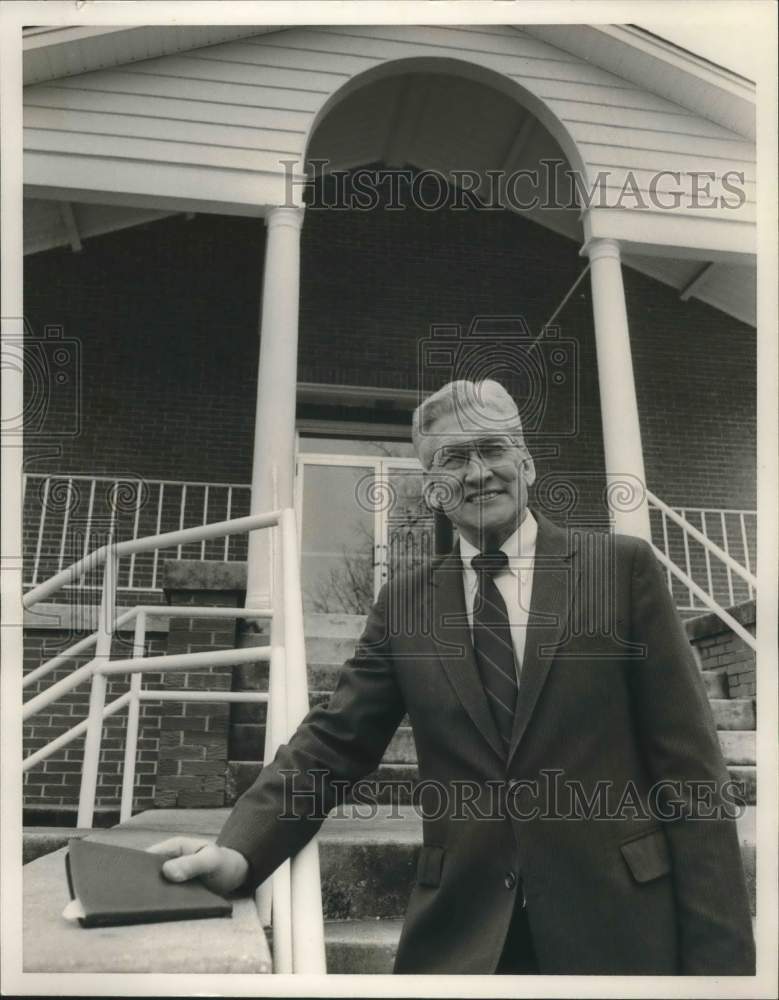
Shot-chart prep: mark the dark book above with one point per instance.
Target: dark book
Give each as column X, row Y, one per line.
column 119, row 885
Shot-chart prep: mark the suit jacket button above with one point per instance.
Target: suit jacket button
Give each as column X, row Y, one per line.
column 510, row 881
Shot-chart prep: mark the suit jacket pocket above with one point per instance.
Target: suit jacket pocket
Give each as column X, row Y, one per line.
column 429, row 865
column 647, row 856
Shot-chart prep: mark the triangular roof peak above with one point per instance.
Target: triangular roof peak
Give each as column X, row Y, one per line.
column 628, row 51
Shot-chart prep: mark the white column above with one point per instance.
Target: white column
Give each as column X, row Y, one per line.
column 626, row 480
column 274, row 427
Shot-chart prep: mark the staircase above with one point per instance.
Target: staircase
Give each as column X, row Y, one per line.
column 367, row 865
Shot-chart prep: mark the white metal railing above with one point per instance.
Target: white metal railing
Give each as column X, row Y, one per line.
column 64, row 516
column 293, row 895
column 725, row 581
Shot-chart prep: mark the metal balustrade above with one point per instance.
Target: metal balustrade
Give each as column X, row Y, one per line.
column 731, row 532
column 686, row 545
column 65, row 516
column 293, row 895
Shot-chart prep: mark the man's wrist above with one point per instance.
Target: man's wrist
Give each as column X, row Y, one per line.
column 236, row 867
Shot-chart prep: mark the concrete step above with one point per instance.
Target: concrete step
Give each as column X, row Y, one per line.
column 738, row 747
column 54, row 945
column 37, row 841
column 401, row 748
column 734, row 713
column 747, row 840
column 746, row 776
column 367, row 860
column 323, row 676
column 395, row 782
column 339, row 625
column 362, row 946
column 716, row 682
column 388, row 783
column 329, row 649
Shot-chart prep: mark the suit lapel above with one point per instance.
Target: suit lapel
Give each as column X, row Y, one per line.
column 452, row 639
column 554, row 582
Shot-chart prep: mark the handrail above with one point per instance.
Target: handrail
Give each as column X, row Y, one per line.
column 308, row 942
column 699, row 592
column 72, row 734
column 149, row 610
column 217, row 529
column 74, row 650
column 298, row 929
column 707, row 543
column 185, row 661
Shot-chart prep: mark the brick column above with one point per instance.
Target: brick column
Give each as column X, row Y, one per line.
column 194, row 735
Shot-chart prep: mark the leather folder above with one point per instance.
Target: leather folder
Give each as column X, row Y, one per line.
column 120, row 885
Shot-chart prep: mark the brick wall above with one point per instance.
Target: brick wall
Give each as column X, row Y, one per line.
column 166, row 316
column 56, row 781
column 719, row 648
column 166, row 319
column 194, row 735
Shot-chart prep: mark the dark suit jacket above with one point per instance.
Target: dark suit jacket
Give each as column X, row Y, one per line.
column 610, row 703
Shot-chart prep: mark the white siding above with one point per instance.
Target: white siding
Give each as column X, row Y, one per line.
column 248, row 104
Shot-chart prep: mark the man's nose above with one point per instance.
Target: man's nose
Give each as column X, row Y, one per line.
column 476, row 468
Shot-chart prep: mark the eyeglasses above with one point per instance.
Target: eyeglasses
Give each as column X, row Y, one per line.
column 491, row 451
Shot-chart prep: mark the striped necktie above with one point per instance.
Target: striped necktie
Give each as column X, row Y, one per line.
column 492, row 642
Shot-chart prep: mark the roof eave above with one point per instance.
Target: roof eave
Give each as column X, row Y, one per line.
column 89, row 45
column 661, row 67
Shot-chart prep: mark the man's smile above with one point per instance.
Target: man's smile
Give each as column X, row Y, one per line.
column 483, row 496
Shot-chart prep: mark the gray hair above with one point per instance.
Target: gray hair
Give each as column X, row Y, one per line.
column 486, row 401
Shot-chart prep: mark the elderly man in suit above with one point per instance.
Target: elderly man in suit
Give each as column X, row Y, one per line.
column 582, row 820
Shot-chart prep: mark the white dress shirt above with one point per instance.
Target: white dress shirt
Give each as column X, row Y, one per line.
column 515, row 583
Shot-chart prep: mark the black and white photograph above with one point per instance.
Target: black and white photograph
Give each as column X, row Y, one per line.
column 389, row 481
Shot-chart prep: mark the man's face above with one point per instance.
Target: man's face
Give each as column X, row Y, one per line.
column 478, row 476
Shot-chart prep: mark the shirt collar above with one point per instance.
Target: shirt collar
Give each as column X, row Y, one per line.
column 520, row 545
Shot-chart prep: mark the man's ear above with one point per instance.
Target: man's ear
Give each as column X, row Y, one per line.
column 529, row 470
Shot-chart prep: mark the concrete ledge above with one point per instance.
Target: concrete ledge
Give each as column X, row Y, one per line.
column 711, row 624
column 53, row 944
column 362, row 946
column 203, row 574
column 39, row 841
column 83, row 618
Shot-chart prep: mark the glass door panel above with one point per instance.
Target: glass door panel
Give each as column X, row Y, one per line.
column 338, row 536
column 408, row 526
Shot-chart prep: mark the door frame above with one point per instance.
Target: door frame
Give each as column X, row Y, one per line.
column 382, row 467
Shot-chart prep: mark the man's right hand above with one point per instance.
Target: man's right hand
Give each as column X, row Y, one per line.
column 220, row 868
